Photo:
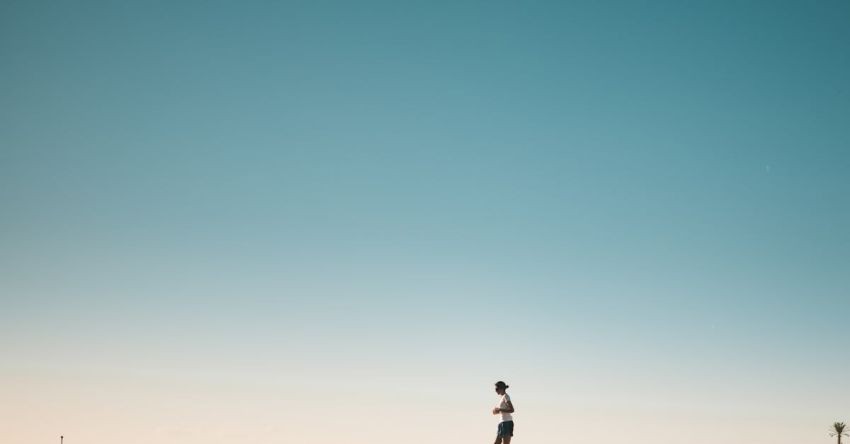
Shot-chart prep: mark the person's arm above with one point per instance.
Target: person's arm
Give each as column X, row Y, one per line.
column 510, row 408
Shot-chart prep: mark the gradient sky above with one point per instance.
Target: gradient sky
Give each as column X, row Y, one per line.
column 323, row 222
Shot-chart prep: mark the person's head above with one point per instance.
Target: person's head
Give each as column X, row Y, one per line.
column 501, row 387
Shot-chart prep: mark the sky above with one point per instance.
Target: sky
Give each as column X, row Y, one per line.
column 324, row 222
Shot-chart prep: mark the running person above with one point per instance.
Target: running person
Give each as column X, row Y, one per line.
column 506, row 421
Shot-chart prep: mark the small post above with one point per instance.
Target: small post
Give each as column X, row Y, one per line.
column 61, row 438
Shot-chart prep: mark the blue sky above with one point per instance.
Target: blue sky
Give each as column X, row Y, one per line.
column 633, row 210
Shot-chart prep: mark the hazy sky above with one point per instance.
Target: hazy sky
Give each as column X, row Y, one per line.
column 324, row 222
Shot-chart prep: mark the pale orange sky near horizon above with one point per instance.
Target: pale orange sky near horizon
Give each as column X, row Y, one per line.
column 99, row 405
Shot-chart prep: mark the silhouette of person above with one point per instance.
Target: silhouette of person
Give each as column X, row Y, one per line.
column 504, row 408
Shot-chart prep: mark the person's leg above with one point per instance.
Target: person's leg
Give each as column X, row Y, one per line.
column 507, row 432
column 498, row 440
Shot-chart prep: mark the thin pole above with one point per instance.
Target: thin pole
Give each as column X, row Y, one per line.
column 61, row 438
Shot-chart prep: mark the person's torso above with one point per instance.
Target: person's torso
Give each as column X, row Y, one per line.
column 503, row 404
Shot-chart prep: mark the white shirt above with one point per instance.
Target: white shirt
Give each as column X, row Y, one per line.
column 503, row 404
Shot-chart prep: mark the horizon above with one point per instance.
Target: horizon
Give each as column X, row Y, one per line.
column 332, row 221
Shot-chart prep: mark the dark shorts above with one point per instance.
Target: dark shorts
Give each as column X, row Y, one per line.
column 506, row 428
